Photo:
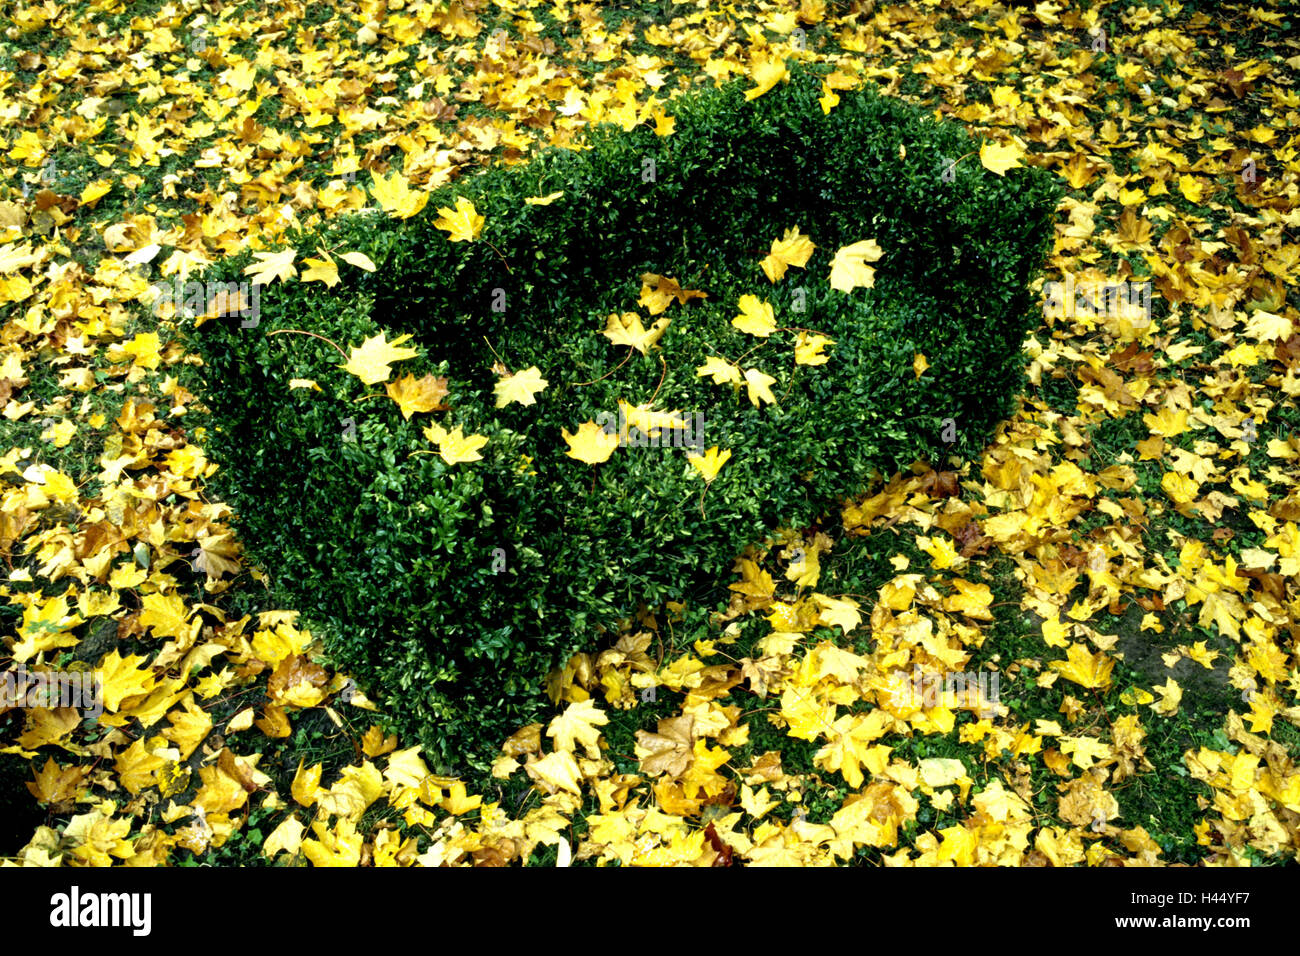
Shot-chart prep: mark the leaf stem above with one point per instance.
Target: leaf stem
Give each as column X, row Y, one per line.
column 313, row 335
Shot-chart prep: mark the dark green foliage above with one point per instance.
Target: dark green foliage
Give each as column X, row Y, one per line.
column 396, row 551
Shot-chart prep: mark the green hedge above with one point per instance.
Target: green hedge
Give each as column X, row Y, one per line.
column 395, row 551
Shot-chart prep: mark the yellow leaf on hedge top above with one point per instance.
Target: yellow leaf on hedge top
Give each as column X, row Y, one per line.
column 454, row 446
column 849, row 269
column 303, row 383
column 755, row 317
column 396, row 197
column 710, row 463
column 723, row 372
column 920, row 363
column 271, row 266
column 322, row 270
column 808, row 349
column 360, row 260
column 462, row 224
column 626, row 329
column 544, row 200
column 765, row 73
column 648, row 421
column 521, row 387
column 1084, row 668
column 998, row 158
column 413, row 394
column 370, row 361
column 759, row 388
column 591, row 444
column 794, row 249
column 658, row 292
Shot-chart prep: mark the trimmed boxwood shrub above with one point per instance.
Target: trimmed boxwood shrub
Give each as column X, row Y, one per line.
column 450, row 590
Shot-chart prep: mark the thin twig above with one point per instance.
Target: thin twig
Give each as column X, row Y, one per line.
column 661, row 379
column 499, row 256
column 313, row 335
column 607, row 374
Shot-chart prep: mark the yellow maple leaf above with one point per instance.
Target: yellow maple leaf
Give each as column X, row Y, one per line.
column 338, row 847
column 462, row 224
column 1202, row 655
column 271, row 266
column 370, row 361
column 658, row 292
column 838, row 612
column 94, row 191
column 521, row 387
column 794, row 249
column 556, row 771
column 998, row 158
column 285, row 838
column 165, row 615
column 765, row 73
column 972, row 600
column 626, row 329
column 455, row 447
column 396, row 197
column 723, row 372
column 1191, row 187
column 1167, row 422
column 1181, row 488
column 591, row 444
column 1170, row 697
column 306, row 783
column 849, row 269
column 322, row 270
column 756, row 317
column 1267, row 327
column 758, row 384
column 920, row 363
column 710, row 463
column 941, row 551
column 808, row 349
column 123, row 678
column 648, row 421
column 360, row 260
column 413, row 394
column 1084, row 668
column 808, row 718
column 756, row 803
column 577, row 725
column 46, row 625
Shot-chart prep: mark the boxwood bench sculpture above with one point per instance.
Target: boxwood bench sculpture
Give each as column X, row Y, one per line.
column 449, row 590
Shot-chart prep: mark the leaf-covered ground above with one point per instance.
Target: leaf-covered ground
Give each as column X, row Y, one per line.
column 1124, row 557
